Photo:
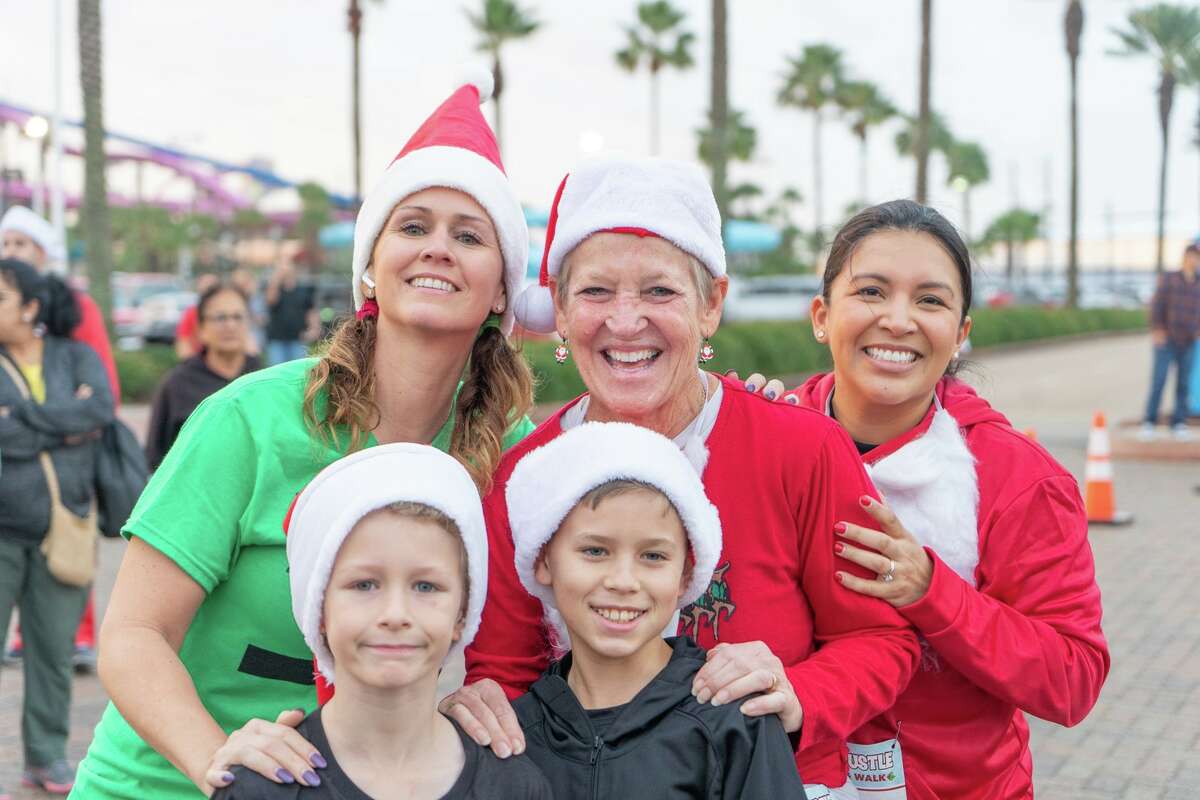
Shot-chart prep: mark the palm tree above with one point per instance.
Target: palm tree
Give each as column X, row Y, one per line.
column 922, row 141
column 656, row 40
column 1165, row 32
column 1013, row 228
column 718, row 113
column 810, row 84
column 97, row 225
column 938, row 137
column 500, row 22
column 1073, row 27
column 740, row 140
column 354, row 25
column 968, row 168
column 1192, row 70
column 867, row 108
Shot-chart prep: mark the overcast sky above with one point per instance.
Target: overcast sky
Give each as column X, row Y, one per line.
column 242, row 79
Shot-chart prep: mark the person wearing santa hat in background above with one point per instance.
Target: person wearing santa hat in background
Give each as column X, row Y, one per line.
column 27, row 237
column 633, row 278
column 983, row 543
column 199, row 638
column 387, row 561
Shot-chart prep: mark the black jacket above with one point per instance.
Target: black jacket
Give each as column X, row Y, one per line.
column 181, row 390
column 30, row 427
column 662, row 745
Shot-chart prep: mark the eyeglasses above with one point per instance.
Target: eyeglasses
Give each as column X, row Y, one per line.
column 217, row 319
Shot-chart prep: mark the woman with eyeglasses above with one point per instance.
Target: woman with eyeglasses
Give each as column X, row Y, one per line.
column 223, row 315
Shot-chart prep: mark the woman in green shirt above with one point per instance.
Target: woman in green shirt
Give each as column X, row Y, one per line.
column 199, row 639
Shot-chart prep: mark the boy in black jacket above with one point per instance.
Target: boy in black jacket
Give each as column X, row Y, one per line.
column 613, row 533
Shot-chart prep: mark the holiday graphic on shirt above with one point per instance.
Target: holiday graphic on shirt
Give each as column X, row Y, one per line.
column 878, row 768
column 709, row 606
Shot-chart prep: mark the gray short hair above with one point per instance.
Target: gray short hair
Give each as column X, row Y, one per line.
column 702, row 279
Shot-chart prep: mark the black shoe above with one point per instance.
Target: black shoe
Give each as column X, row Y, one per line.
column 84, row 660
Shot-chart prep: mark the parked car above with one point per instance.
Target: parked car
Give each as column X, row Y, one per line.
column 771, row 297
column 160, row 314
column 129, row 291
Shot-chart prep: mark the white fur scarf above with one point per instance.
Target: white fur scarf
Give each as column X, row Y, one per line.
column 931, row 485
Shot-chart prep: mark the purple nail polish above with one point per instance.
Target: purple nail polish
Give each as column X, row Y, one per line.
column 284, row 776
column 318, row 761
column 749, row 386
column 771, row 394
column 228, row 777
column 311, row 778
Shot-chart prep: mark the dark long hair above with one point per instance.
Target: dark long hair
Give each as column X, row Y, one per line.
column 899, row 215
column 58, row 310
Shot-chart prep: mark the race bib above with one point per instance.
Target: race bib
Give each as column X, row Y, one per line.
column 878, row 769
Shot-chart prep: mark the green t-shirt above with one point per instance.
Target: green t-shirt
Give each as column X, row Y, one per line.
column 215, row 507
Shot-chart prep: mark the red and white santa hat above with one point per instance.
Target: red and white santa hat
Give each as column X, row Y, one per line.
column 551, row 480
column 327, row 510
column 671, row 200
column 23, row 220
column 454, row 149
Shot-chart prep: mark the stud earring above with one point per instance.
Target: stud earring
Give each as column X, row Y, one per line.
column 956, row 354
column 561, row 352
column 820, row 335
column 707, row 353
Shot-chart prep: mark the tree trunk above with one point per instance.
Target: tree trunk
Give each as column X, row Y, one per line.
column 863, row 196
column 1166, row 97
column 921, row 145
column 355, row 14
column 719, row 107
column 497, row 87
column 97, row 226
column 1074, row 25
column 654, row 140
column 818, row 206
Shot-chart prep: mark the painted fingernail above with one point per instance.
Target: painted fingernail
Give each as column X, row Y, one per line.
column 503, row 750
column 228, row 777
column 284, row 775
column 771, row 394
column 865, row 500
column 838, row 547
column 791, row 398
column 311, row 778
column 318, row 761
column 749, row 386
column 839, row 527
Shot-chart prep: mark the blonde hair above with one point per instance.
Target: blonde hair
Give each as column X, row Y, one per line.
column 496, row 392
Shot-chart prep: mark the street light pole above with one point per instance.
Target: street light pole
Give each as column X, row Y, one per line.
column 57, row 217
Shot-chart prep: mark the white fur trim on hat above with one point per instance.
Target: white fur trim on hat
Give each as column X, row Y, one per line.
column 549, row 481
column 452, row 168
column 671, row 199
column 352, row 487
column 20, row 218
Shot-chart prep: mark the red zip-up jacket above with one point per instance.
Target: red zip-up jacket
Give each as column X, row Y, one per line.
column 91, row 331
column 1028, row 639
column 780, row 477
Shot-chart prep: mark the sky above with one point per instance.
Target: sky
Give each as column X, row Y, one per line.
column 270, row 79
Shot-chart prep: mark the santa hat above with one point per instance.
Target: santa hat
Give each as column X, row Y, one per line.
column 454, row 149
column 670, row 200
column 352, row 487
column 551, row 480
column 21, row 219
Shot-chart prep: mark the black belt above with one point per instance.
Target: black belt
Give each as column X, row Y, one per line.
column 276, row 666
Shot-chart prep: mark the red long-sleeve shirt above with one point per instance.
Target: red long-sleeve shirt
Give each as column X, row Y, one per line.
column 1028, row 639
column 91, row 331
column 780, row 477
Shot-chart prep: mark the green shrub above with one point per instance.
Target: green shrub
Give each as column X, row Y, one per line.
column 140, row 371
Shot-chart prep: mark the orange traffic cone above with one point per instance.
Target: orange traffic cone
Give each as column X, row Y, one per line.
column 1098, row 478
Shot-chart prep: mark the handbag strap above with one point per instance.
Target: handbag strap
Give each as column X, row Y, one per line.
column 43, row 457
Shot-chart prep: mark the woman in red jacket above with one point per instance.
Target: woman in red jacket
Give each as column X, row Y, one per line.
column 636, row 268
column 982, row 545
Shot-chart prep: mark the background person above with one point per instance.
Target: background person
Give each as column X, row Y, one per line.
column 291, row 315
column 222, row 320
column 983, row 546
column 199, row 638
column 1174, row 328
column 68, row 403
column 27, row 237
column 634, row 280
column 187, row 340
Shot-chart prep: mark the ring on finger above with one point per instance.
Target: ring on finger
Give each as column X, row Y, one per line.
column 774, row 682
column 890, row 575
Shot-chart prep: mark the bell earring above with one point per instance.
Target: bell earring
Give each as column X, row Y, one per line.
column 561, row 352
column 707, row 353
column 370, row 284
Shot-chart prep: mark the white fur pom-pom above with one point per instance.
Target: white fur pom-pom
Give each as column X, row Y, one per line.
column 534, row 309
column 480, row 77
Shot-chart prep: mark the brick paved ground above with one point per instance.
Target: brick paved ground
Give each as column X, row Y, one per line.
column 1145, row 732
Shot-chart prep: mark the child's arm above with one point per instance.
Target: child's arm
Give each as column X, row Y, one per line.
column 758, row 759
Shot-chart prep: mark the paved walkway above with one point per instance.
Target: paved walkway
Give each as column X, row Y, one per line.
column 1144, row 734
